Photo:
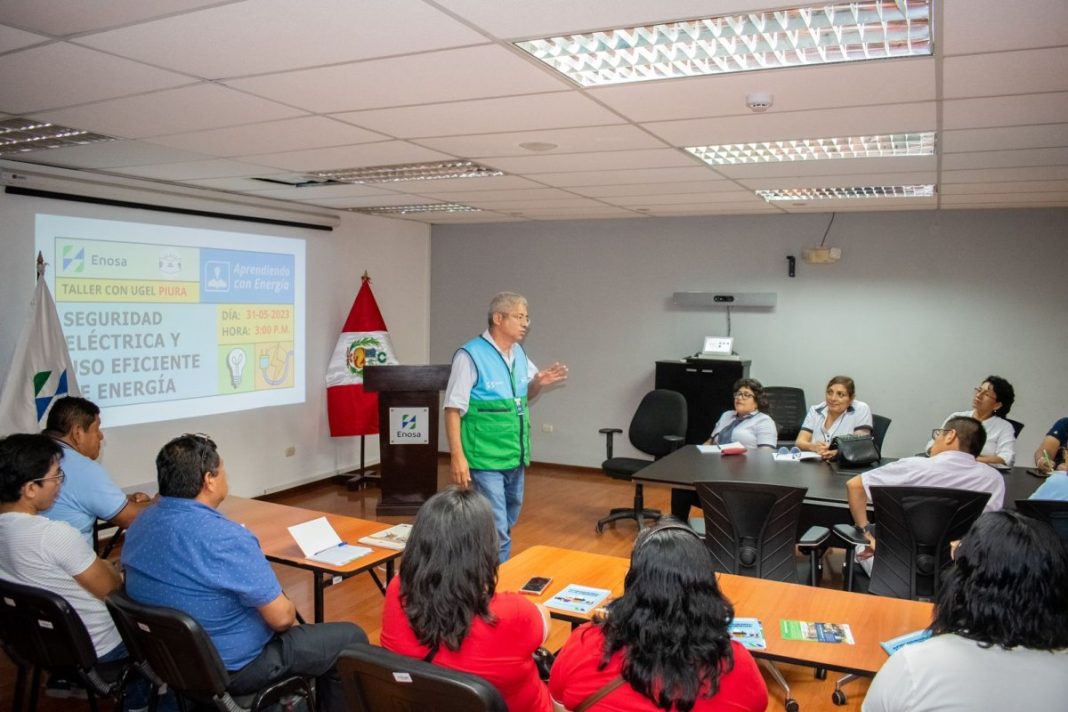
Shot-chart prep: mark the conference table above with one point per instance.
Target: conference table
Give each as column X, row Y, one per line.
column 825, row 501
column 872, row 619
column 270, row 522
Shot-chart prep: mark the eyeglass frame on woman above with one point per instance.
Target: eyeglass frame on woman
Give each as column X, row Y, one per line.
column 987, row 392
column 744, row 394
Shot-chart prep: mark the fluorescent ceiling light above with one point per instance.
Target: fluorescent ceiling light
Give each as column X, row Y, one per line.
column 19, row 135
column 421, row 208
column 811, row 149
column 839, row 32
column 881, row 191
column 411, row 171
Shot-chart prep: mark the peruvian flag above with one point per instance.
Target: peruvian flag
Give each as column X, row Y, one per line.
column 364, row 342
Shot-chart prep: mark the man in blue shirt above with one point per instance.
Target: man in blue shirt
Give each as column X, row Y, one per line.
column 88, row 493
column 182, row 553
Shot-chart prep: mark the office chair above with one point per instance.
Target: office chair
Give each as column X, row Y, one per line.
column 879, row 425
column 1017, row 427
column 787, row 407
column 1050, row 511
column 751, row 529
column 40, row 630
column 913, row 530
column 657, row 428
column 376, row 679
column 180, row 653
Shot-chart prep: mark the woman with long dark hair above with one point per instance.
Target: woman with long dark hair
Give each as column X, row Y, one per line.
column 1000, row 630
column 443, row 606
column 664, row 644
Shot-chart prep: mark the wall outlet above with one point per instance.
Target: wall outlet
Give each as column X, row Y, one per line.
column 291, row 451
column 546, row 427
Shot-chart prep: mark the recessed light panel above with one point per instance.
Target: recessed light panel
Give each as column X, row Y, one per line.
column 800, row 36
column 881, row 191
column 811, row 149
column 18, row 135
column 411, row 171
column 422, row 208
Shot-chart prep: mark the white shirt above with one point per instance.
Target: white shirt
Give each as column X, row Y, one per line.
column 857, row 415
column 951, row 468
column 949, row 673
column 464, row 375
column 37, row 551
column 757, row 429
column 1000, row 437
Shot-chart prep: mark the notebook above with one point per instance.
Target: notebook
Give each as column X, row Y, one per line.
column 319, row 542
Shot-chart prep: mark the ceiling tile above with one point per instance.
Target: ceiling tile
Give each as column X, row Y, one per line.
column 469, row 73
column 231, row 40
column 540, row 204
column 1001, row 159
column 594, row 138
column 366, row 154
column 12, row 38
column 1015, row 200
column 492, row 196
column 973, row 26
column 371, row 201
column 625, row 177
column 243, row 185
column 1023, row 186
column 1042, row 136
column 454, row 185
column 271, row 137
column 794, row 89
column 642, row 201
column 703, row 186
column 110, row 155
column 75, row 75
column 1019, row 110
column 1022, row 72
column 989, row 175
column 316, row 192
column 168, row 112
column 219, row 168
column 63, row 17
column 609, row 160
column 518, row 113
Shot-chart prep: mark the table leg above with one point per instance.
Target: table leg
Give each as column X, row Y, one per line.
column 318, row 595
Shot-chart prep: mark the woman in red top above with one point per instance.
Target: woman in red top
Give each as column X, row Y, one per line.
column 444, row 607
column 665, row 642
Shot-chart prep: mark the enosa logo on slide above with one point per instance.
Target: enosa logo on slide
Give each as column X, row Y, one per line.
column 73, row 258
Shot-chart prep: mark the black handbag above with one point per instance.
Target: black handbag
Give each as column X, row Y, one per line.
column 855, row 450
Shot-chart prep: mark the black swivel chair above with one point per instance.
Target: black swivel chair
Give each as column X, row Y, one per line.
column 913, row 530
column 180, row 653
column 751, row 529
column 1017, row 427
column 40, row 630
column 375, row 679
column 879, row 425
column 658, row 428
column 1051, row 511
column 787, row 407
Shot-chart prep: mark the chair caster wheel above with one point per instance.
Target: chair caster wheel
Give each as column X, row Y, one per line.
column 791, row 705
column 838, row 697
column 599, row 527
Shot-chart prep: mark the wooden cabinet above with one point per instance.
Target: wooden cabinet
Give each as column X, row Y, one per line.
column 708, row 387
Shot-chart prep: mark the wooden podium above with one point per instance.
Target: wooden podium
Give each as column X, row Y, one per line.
column 409, row 469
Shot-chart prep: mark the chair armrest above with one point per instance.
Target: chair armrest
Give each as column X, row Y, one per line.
column 815, row 536
column 675, row 441
column 608, row 433
column 850, row 534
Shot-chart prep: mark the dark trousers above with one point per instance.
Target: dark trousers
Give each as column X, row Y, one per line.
column 681, row 501
column 302, row 650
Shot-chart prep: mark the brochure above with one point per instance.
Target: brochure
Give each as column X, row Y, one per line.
column 577, row 599
column 319, row 542
column 815, row 632
column 895, row 644
column 749, row 632
column 396, row 537
column 796, row 456
column 726, row 448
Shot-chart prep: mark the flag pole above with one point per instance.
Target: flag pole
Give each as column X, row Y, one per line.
column 363, row 476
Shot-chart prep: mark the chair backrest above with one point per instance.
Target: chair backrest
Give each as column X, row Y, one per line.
column 661, row 412
column 751, row 528
column 377, row 680
column 914, row 527
column 879, row 425
column 176, row 648
column 787, row 407
column 1051, row 511
column 42, row 629
column 1017, row 427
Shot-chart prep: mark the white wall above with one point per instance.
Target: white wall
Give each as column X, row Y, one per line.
column 394, row 252
column 921, row 307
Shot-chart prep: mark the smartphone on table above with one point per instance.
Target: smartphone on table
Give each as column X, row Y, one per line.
column 536, row 585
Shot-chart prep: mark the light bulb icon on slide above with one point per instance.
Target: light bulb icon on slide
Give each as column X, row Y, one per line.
column 235, row 361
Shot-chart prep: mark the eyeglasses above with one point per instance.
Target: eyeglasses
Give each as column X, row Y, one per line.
column 937, row 432
column 742, row 395
column 794, row 452
column 58, row 477
column 521, row 318
column 985, row 392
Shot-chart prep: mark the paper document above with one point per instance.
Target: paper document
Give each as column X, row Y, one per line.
column 319, row 542
column 815, row 632
column 578, row 599
column 396, row 537
column 796, row 456
column 717, row 449
column 749, row 632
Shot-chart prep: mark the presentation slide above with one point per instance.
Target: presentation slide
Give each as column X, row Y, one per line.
column 170, row 322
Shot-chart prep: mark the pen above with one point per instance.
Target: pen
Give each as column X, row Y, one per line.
column 1045, row 456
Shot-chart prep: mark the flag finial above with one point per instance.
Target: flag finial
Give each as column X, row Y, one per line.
column 366, row 277
column 40, row 265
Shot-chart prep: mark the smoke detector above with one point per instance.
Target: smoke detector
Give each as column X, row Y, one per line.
column 759, row 101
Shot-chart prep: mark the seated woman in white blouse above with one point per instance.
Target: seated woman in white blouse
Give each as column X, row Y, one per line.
column 746, row 424
column 991, row 403
column 839, row 414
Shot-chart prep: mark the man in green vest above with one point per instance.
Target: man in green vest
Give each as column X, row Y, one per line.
column 486, row 416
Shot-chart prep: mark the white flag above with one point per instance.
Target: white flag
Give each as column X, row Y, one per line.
column 41, row 370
